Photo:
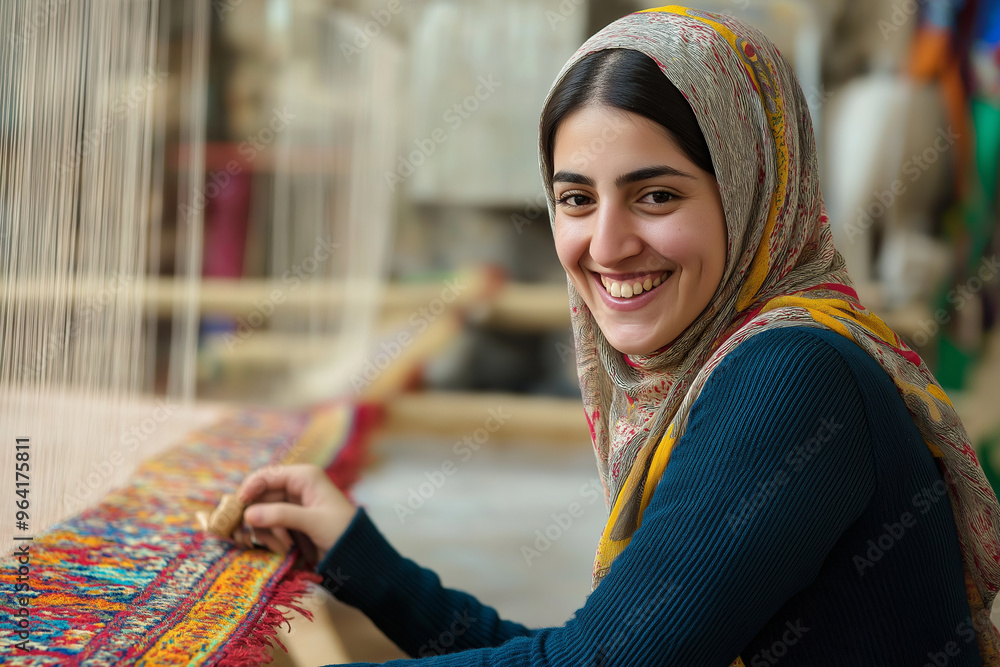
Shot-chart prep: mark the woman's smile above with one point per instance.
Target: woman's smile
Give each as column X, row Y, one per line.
column 630, row 292
column 640, row 229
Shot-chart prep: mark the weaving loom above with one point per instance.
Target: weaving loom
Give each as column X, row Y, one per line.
column 134, row 579
column 105, row 179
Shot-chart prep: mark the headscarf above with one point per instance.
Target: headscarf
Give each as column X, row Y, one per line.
column 781, row 271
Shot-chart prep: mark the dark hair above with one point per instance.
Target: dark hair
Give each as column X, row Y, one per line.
column 630, row 81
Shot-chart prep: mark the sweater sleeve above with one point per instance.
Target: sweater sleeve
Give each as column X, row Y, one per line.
column 775, row 464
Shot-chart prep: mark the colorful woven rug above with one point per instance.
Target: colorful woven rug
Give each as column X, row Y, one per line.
column 134, row 581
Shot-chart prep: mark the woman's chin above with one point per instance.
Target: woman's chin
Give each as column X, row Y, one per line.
column 636, row 347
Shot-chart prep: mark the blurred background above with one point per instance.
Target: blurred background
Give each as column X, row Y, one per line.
column 903, row 97
column 905, row 101
column 415, row 121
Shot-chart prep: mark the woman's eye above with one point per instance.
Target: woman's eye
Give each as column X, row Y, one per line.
column 659, row 197
column 574, row 199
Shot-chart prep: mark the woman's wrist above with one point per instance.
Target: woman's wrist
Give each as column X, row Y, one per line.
column 328, row 554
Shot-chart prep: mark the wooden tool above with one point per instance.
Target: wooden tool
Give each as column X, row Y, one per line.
column 225, row 519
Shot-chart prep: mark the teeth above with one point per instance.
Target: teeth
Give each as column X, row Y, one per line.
column 628, row 290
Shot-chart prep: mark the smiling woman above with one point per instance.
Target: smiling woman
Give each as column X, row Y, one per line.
column 766, row 444
column 640, row 231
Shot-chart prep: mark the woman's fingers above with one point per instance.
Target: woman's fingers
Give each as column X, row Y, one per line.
column 242, row 537
column 268, row 539
column 248, row 537
column 275, row 497
column 308, row 549
column 292, row 481
column 296, row 498
column 281, row 534
column 284, row 515
column 260, row 482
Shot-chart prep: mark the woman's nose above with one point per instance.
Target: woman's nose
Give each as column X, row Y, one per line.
column 614, row 236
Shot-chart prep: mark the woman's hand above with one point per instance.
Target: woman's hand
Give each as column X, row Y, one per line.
column 295, row 504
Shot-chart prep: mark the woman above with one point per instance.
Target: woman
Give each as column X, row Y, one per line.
column 787, row 482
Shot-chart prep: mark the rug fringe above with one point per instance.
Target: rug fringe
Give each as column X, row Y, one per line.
column 254, row 647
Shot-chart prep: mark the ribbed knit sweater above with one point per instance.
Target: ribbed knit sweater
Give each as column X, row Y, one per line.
column 801, row 521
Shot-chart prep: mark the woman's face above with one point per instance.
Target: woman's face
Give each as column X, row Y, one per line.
column 639, row 227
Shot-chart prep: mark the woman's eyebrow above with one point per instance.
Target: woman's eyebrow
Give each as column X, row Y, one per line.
column 650, row 172
column 572, row 177
column 624, row 179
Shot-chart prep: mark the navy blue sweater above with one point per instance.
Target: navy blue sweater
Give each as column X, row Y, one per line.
column 801, row 521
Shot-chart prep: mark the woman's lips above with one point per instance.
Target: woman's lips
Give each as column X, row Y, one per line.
column 630, row 286
column 629, row 303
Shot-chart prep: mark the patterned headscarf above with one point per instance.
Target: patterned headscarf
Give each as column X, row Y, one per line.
column 781, row 270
